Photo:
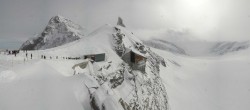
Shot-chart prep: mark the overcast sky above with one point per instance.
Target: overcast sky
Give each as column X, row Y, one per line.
column 204, row 19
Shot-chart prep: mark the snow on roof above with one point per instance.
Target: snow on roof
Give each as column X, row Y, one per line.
column 137, row 52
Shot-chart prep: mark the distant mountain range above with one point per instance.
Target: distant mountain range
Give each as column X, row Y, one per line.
column 61, row 31
column 196, row 47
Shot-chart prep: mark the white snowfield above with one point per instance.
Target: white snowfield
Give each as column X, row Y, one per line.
column 192, row 83
column 208, row 83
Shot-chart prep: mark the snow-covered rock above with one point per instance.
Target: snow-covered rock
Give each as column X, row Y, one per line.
column 59, row 31
column 164, row 45
column 117, row 85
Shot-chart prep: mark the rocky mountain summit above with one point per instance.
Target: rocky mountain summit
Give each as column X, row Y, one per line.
column 59, row 31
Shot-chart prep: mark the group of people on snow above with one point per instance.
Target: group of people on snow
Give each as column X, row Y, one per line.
column 15, row 52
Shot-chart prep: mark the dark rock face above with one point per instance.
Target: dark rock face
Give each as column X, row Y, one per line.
column 59, row 31
column 30, row 45
column 120, row 22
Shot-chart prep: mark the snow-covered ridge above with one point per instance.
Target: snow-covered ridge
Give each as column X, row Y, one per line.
column 59, row 31
column 222, row 48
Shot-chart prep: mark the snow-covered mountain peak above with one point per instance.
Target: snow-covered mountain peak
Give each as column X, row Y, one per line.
column 68, row 23
column 59, row 18
column 59, row 31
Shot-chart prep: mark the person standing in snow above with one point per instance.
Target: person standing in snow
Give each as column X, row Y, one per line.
column 26, row 54
column 31, row 56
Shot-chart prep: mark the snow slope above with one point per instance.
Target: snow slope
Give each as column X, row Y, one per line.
column 207, row 83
